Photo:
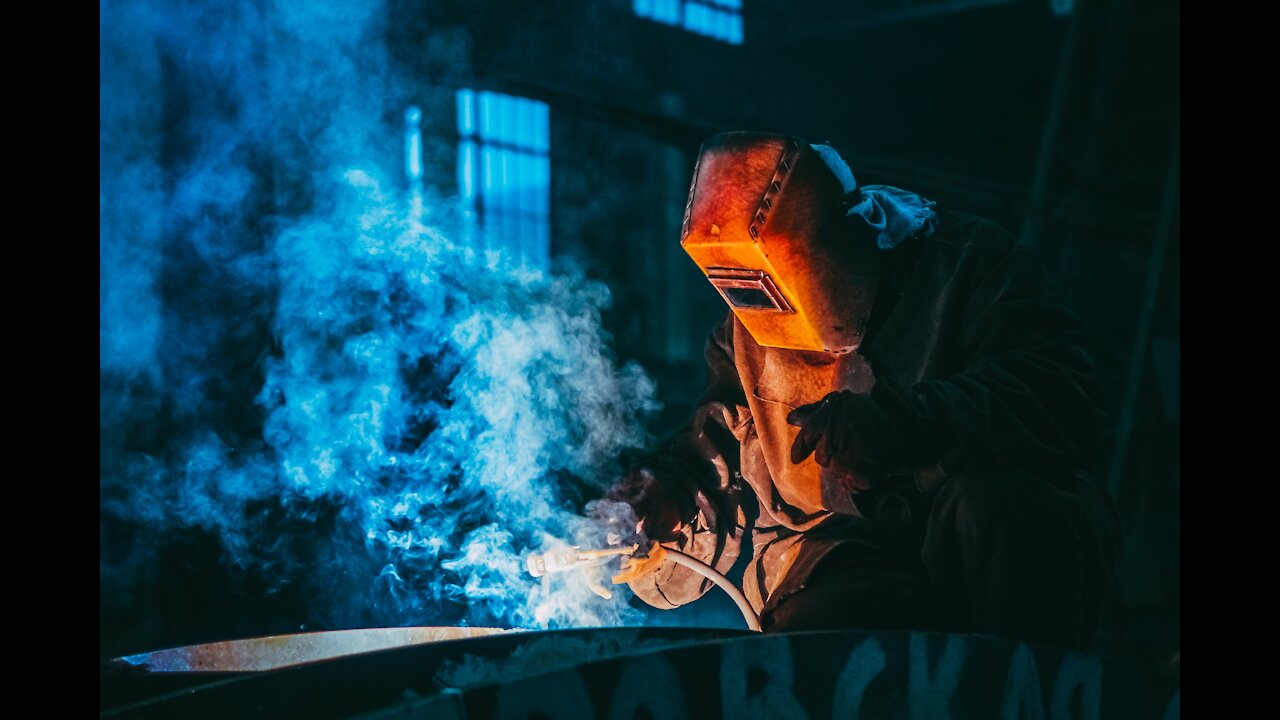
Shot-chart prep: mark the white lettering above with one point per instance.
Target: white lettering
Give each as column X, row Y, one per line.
column 864, row 664
column 929, row 693
column 1022, row 697
column 649, row 682
column 767, row 660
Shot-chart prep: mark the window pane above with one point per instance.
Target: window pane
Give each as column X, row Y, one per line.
column 719, row 19
column 467, row 171
column 668, row 11
column 510, row 156
column 466, row 112
column 735, row 30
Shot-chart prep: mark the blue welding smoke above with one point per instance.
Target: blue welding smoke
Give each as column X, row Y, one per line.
column 300, row 360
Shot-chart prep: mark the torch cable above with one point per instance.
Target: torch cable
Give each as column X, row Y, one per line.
column 710, row 573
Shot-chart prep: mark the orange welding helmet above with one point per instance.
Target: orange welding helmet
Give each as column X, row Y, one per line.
column 766, row 223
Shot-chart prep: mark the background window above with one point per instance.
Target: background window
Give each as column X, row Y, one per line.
column 504, row 171
column 719, row 19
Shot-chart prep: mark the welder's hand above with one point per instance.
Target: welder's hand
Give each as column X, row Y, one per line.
column 662, row 509
column 849, row 433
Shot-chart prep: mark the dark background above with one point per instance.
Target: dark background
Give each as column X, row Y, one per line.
column 1059, row 120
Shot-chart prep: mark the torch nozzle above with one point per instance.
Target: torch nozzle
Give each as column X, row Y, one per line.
column 565, row 560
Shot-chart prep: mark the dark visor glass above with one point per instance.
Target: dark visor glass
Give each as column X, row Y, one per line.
column 748, row 289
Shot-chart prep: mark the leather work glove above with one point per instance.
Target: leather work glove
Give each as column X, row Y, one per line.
column 854, row 435
column 662, row 509
column 665, row 491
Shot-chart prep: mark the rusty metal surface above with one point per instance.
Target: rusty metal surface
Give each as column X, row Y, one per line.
column 281, row 651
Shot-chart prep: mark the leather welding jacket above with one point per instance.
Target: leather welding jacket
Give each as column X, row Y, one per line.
column 986, row 360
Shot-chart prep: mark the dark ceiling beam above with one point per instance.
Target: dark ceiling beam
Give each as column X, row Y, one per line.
column 687, row 133
column 683, row 132
column 910, row 11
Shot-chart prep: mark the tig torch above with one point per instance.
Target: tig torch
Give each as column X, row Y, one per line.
column 558, row 561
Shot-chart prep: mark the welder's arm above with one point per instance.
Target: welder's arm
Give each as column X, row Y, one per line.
column 1025, row 393
column 1028, row 391
column 687, row 492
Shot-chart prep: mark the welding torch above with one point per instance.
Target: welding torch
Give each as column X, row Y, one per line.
column 573, row 558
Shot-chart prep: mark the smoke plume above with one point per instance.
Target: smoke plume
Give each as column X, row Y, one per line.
column 316, row 365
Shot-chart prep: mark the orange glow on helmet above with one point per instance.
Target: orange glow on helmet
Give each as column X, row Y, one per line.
column 765, row 222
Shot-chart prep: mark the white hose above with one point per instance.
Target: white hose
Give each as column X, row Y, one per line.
column 710, row 573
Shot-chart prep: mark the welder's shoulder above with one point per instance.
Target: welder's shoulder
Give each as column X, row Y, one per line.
column 970, row 248
column 961, row 234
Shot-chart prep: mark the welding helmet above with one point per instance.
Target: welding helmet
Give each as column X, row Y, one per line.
column 766, row 223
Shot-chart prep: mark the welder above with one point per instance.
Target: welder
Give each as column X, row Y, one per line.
column 900, row 414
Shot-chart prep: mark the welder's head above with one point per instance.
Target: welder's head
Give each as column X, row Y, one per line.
column 766, row 223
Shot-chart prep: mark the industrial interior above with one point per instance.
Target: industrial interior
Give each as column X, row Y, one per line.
column 393, row 290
